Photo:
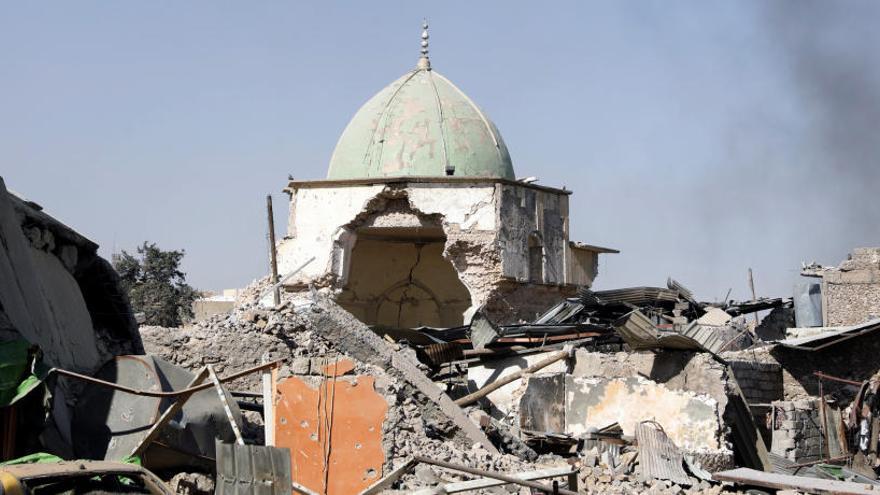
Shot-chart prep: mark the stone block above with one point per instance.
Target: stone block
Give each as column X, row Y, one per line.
column 300, row 366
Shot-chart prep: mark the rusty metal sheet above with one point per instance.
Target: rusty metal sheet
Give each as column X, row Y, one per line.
column 658, row 457
column 334, row 432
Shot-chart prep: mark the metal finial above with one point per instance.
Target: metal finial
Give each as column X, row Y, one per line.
column 424, row 61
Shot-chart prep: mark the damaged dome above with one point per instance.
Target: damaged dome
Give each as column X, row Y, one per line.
column 420, row 125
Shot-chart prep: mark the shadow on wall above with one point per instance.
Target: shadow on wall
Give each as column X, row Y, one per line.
column 400, row 279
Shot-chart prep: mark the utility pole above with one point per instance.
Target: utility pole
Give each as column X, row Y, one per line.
column 273, row 260
column 754, row 297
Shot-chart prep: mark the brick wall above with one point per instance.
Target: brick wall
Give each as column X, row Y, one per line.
column 851, row 292
column 796, row 434
column 761, row 383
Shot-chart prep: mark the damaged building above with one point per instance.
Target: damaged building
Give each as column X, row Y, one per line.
column 428, row 221
column 438, row 332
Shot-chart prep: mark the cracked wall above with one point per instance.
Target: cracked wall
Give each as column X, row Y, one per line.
column 403, row 284
column 367, row 235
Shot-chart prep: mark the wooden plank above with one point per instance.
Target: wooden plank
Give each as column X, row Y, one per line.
column 389, row 480
column 269, row 406
column 783, row 481
column 226, row 407
column 540, row 474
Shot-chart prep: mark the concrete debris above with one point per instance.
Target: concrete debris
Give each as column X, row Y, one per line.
column 192, row 484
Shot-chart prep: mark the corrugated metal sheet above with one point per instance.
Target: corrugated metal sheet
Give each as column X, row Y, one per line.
column 639, row 296
column 482, row 331
column 560, row 313
column 830, row 337
column 709, row 338
column 640, row 333
column 252, row 469
column 658, row 457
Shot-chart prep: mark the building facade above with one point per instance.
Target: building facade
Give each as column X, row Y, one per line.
column 421, row 220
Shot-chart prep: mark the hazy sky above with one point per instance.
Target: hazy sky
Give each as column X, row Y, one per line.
column 700, row 138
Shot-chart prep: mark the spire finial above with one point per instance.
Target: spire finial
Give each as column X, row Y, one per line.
column 424, row 61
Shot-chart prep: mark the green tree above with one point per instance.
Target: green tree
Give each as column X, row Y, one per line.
column 155, row 284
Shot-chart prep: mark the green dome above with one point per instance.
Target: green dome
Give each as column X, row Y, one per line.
column 420, row 125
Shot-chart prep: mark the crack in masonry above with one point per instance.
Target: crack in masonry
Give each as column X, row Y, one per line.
column 479, row 204
column 409, row 284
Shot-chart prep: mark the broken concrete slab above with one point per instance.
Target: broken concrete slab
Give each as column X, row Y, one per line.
column 358, row 341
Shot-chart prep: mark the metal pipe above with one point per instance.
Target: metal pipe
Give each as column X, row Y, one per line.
column 479, row 394
column 172, row 393
column 836, row 379
column 286, row 277
column 273, row 260
column 492, row 474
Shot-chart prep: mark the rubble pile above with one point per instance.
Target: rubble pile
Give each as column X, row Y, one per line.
column 562, row 380
column 630, row 390
column 252, row 334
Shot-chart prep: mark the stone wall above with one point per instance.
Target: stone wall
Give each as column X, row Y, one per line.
column 851, row 292
column 507, row 242
column 797, row 434
column 854, row 359
column 680, row 371
column 761, row 383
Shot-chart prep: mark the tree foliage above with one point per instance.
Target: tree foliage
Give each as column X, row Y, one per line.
column 155, row 284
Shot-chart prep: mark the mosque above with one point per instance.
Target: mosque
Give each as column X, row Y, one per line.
column 421, row 220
